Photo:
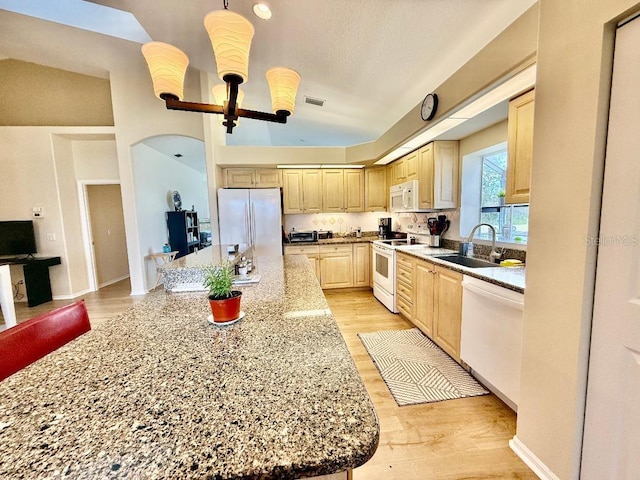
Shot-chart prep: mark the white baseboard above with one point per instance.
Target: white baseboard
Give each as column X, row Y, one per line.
column 115, row 280
column 71, row 296
column 533, row 462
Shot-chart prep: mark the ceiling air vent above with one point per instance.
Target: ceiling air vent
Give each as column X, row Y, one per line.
column 314, row 101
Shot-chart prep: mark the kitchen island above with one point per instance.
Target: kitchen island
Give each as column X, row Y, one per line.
column 159, row 392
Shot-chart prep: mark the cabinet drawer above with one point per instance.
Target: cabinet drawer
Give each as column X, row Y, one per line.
column 404, row 261
column 403, row 274
column 405, row 307
column 404, row 290
column 341, row 249
column 301, row 249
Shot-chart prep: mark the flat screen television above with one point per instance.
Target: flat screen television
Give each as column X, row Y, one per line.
column 17, row 237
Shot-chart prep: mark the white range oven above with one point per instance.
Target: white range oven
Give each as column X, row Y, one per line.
column 384, row 271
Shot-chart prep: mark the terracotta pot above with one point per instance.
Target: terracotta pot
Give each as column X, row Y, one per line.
column 226, row 309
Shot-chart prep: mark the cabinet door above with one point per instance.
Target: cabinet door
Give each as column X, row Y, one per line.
column 292, row 191
column 268, row 178
column 376, row 190
column 520, row 148
column 445, row 174
column 336, row 266
column 425, row 176
column 311, row 191
column 240, row 177
column 353, row 190
column 333, row 191
column 314, row 259
column 361, row 268
column 399, row 173
column 448, row 311
column 425, row 275
column 411, row 166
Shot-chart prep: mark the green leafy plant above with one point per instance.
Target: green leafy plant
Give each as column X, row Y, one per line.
column 219, row 280
column 502, row 194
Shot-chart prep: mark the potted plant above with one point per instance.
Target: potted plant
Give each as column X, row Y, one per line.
column 224, row 301
column 501, row 195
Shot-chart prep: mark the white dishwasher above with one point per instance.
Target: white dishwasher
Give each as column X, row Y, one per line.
column 491, row 336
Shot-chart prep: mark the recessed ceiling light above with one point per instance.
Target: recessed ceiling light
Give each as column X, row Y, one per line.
column 262, row 11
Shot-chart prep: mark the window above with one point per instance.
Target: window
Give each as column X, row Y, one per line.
column 510, row 221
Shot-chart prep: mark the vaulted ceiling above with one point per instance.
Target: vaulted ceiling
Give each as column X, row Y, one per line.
column 371, row 61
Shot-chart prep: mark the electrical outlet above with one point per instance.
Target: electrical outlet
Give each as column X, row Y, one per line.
column 51, row 236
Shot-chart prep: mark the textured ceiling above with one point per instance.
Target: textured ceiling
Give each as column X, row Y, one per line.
column 370, row 60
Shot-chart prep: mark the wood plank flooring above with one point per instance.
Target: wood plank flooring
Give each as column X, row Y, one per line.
column 456, row 439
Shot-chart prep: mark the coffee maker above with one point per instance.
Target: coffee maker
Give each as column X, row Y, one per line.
column 384, row 227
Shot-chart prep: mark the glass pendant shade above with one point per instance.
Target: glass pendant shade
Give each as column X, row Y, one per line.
column 167, row 66
column 230, row 36
column 283, row 84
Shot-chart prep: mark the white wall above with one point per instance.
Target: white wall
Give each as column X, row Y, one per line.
column 138, row 114
column 38, row 168
column 155, row 176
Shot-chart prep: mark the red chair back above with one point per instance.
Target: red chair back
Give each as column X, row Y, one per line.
column 31, row 340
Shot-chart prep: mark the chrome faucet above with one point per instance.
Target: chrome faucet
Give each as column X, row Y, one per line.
column 466, row 248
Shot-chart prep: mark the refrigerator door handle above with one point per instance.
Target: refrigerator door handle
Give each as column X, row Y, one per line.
column 253, row 224
column 246, row 223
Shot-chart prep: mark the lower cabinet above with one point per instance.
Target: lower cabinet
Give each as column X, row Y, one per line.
column 448, row 311
column 404, row 285
column 430, row 296
column 338, row 265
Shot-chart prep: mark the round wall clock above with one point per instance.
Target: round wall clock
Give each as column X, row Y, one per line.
column 429, row 107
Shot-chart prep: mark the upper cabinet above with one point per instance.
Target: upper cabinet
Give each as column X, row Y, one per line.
column 252, row 178
column 520, row 148
column 336, row 190
column 376, row 190
column 438, row 167
column 353, row 190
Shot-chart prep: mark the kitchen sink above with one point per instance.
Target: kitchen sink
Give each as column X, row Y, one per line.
column 467, row 261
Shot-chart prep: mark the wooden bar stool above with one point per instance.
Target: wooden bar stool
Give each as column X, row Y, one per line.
column 161, row 259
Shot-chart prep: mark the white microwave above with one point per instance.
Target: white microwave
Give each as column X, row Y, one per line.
column 404, row 197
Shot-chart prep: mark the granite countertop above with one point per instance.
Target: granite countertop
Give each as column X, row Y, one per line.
column 158, row 392
column 512, row 278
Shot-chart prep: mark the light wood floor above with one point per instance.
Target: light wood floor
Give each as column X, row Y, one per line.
column 457, row 439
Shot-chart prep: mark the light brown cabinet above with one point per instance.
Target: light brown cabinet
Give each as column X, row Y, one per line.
column 430, row 296
column 312, row 253
column 361, row 264
column 398, row 172
column 520, row 148
column 342, row 190
column 411, row 166
column 337, row 266
column 376, row 190
column 353, row 190
column 438, row 173
column 447, row 320
column 329, row 190
column 302, row 190
column 425, row 276
column 252, row 178
column 404, row 285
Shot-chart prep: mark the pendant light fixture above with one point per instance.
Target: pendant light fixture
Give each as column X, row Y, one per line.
column 230, row 36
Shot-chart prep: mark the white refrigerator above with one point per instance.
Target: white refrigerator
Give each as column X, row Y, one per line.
column 251, row 217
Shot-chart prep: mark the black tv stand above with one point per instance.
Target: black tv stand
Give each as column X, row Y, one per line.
column 37, row 281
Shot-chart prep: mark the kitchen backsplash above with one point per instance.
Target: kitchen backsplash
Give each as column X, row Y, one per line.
column 339, row 223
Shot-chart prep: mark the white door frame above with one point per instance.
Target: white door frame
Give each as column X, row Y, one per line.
column 87, row 236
